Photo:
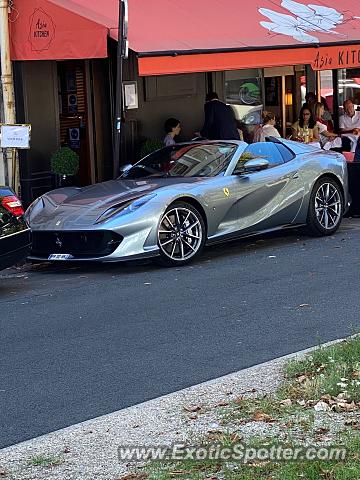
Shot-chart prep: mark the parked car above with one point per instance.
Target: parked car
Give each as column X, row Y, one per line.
column 179, row 198
column 15, row 236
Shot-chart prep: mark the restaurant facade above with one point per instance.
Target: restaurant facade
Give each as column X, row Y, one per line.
column 255, row 57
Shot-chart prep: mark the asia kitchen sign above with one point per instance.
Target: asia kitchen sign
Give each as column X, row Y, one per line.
column 42, row 30
column 329, row 58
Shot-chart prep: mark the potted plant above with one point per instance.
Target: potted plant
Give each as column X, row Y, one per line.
column 65, row 165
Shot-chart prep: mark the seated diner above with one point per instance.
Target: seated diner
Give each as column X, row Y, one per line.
column 305, row 129
column 267, row 129
column 328, row 139
column 350, row 121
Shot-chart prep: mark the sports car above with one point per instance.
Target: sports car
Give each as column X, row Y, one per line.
column 182, row 197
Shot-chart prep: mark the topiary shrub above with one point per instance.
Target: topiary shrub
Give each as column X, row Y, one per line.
column 149, row 146
column 65, row 161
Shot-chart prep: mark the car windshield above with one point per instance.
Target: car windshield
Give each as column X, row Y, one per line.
column 185, row 160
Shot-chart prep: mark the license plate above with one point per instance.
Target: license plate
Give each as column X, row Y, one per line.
column 60, row 256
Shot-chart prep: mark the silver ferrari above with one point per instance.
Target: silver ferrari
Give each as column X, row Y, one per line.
column 173, row 202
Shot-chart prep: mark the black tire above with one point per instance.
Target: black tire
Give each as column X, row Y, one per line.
column 181, row 235
column 326, row 208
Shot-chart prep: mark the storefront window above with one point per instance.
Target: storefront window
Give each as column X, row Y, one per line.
column 349, row 86
column 244, row 92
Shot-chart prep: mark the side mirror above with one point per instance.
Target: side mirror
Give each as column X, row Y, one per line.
column 125, row 168
column 256, row 165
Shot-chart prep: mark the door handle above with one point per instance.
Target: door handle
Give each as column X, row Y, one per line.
column 296, row 175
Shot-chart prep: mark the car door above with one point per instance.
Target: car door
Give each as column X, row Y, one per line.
column 219, row 195
column 270, row 197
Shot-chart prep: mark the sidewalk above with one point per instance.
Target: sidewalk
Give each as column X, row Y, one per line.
column 88, row 451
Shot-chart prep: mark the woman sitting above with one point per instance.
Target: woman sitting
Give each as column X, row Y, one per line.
column 328, row 139
column 327, row 115
column 305, row 129
column 267, row 129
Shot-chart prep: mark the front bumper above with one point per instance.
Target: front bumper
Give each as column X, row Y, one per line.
column 78, row 244
column 88, row 245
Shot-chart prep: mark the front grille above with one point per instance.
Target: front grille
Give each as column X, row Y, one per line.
column 80, row 244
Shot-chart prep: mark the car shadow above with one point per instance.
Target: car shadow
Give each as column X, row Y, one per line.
column 256, row 243
column 219, row 251
column 60, row 268
column 223, row 250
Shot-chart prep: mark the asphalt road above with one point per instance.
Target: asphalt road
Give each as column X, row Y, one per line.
column 79, row 342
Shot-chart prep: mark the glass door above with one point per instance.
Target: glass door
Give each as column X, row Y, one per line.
column 244, row 91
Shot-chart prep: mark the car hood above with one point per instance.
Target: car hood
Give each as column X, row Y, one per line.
column 81, row 207
column 113, row 192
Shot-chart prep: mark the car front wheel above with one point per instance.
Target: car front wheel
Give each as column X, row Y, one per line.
column 326, row 207
column 181, row 234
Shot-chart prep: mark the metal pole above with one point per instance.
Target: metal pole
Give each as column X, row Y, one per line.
column 14, row 170
column 7, row 85
column 283, row 106
column 318, row 85
column 119, row 107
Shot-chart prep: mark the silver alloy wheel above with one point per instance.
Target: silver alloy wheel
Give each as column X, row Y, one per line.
column 328, row 207
column 180, row 234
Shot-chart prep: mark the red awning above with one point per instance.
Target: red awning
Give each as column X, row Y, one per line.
column 192, row 36
column 61, row 29
column 244, row 34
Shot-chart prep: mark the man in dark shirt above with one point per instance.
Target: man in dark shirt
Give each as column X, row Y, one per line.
column 220, row 123
column 357, row 152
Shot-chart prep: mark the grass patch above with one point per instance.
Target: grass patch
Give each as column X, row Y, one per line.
column 347, row 469
column 327, row 371
column 45, row 461
column 196, row 470
column 330, row 376
column 267, row 408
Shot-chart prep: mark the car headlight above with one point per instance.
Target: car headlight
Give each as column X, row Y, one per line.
column 125, row 208
column 35, row 207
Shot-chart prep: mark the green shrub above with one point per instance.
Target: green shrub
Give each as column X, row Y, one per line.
column 65, row 161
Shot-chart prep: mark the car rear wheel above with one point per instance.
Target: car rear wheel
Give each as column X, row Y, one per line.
column 326, row 207
column 181, row 234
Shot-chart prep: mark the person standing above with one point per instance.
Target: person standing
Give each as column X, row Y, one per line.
column 172, row 129
column 310, row 100
column 220, row 123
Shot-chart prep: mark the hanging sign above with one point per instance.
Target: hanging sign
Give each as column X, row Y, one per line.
column 15, row 136
column 74, row 137
column 130, row 95
column 72, row 103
